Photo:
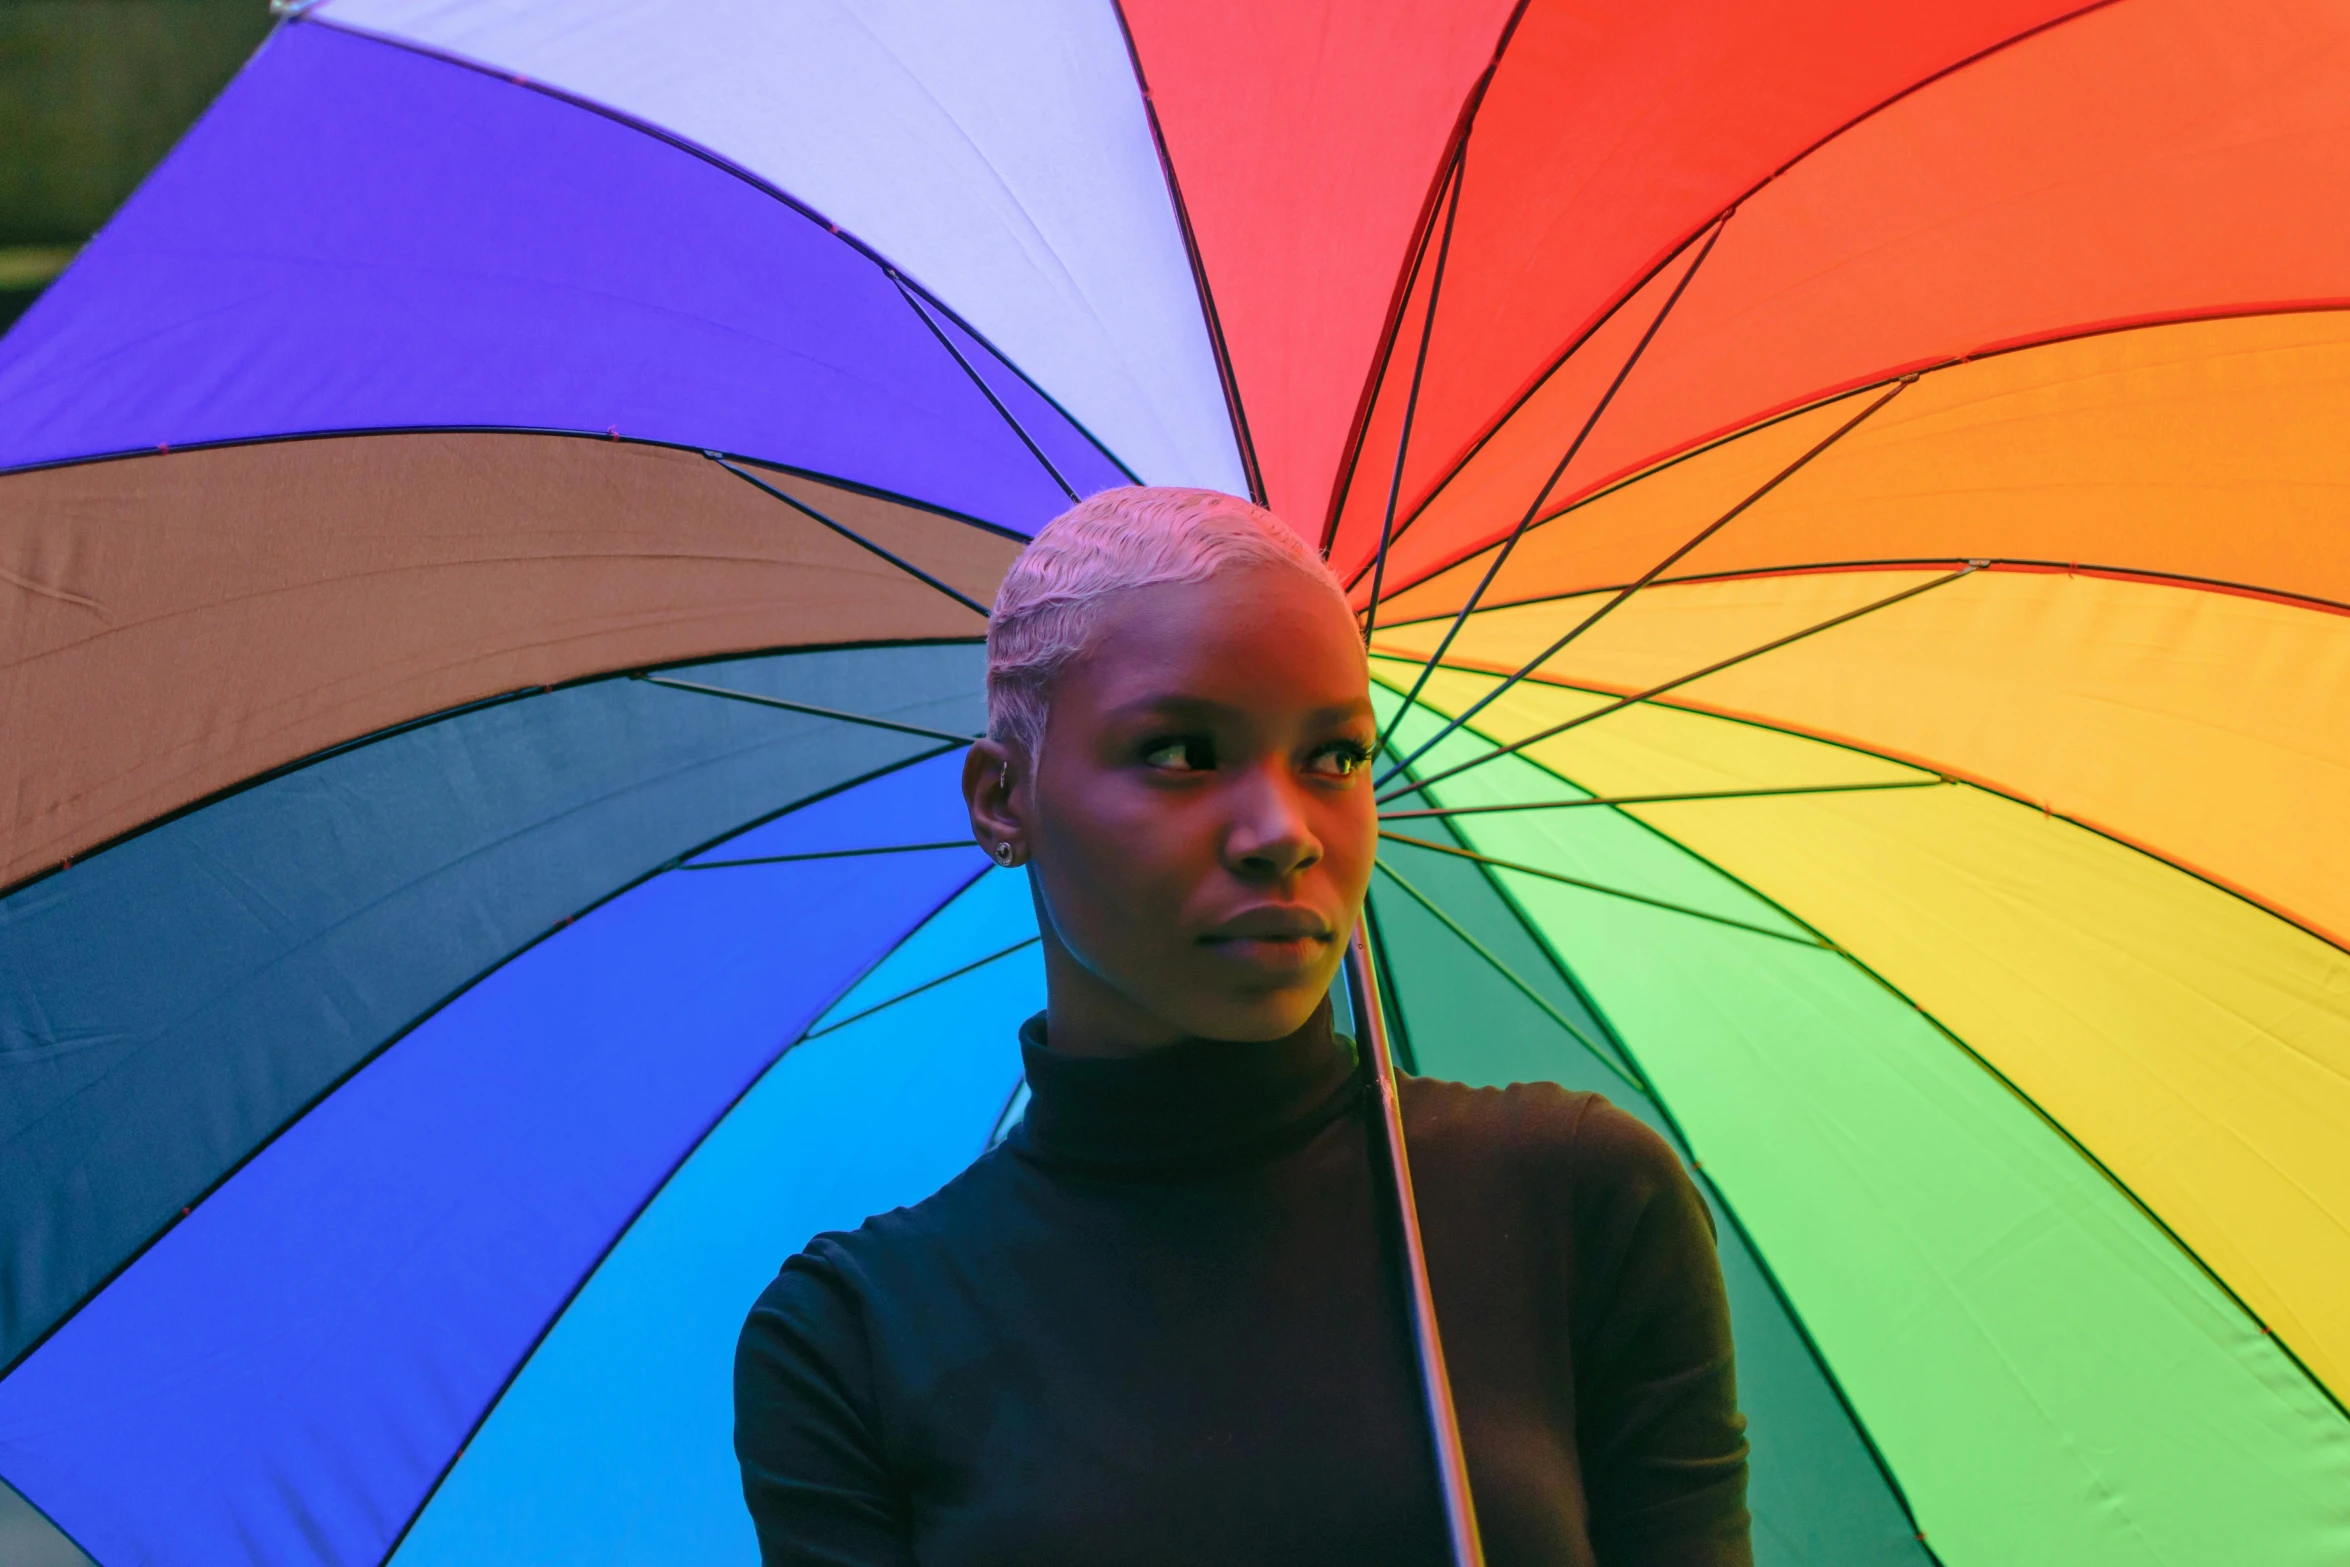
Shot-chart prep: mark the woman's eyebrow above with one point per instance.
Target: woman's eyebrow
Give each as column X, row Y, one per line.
column 1172, row 704
column 1180, row 706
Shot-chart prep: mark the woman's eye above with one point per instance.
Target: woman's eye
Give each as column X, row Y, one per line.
column 1341, row 760
column 1178, row 755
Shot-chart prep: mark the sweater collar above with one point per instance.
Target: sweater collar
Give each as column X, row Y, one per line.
column 1195, row 1102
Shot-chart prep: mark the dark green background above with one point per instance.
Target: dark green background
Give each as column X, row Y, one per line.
column 92, row 94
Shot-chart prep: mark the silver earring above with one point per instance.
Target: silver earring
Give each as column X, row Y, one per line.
column 1003, row 854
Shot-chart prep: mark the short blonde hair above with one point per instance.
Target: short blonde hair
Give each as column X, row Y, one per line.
column 1122, row 539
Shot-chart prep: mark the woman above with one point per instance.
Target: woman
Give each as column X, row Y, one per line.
column 1162, row 1321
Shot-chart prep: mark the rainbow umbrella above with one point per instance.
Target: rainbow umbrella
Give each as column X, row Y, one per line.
column 1848, row 501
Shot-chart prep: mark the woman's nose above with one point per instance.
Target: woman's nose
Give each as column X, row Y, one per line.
column 1268, row 838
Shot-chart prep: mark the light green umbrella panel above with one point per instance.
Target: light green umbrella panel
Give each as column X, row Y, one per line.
column 2019, row 1342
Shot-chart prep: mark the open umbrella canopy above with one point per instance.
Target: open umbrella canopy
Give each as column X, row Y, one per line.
column 1849, row 507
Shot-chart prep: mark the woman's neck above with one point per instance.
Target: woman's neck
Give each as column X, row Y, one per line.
column 1086, row 1016
column 1193, row 1104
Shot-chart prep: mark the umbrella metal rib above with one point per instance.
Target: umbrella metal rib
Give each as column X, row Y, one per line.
column 1534, row 508
column 928, row 984
column 823, row 854
column 1411, row 405
column 851, row 534
column 1654, row 572
column 988, row 391
column 1617, row 706
column 1664, row 799
column 810, row 708
column 1599, row 887
column 1523, row 987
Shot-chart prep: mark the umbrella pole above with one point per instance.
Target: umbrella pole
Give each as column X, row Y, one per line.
column 1452, row 1466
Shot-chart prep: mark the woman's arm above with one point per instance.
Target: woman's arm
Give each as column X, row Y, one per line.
column 812, row 1468
column 1663, row 1445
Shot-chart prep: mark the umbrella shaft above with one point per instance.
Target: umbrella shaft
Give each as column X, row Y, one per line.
column 1452, row 1467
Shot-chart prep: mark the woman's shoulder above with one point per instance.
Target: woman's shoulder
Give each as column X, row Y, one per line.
column 834, row 1270
column 903, row 1253
column 1552, row 1168
column 1540, row 1134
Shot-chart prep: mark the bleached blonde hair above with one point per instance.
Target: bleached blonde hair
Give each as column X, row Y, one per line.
column 1134, row 537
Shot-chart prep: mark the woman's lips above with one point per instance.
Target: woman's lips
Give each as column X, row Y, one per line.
column 1275, row 940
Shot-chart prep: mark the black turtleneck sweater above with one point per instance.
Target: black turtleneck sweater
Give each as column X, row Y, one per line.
column 1162, row 1323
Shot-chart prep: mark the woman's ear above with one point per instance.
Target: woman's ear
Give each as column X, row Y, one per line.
column 991, row 788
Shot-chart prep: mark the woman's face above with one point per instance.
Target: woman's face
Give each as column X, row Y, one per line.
column 1200, row 825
